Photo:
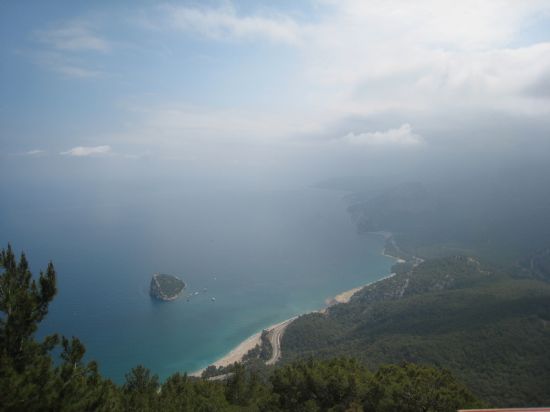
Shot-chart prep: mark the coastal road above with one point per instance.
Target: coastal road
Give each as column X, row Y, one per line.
column 275, row 335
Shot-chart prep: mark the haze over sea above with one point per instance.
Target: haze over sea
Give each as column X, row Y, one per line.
column 264, row 253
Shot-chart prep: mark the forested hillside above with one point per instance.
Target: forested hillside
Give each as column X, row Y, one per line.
column 490, row 329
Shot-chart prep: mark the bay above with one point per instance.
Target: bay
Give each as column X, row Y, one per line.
column 264, row 254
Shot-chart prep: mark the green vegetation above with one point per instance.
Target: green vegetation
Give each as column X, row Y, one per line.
column 262, row 351
column 50, row 375
column 29, row 379
column 166, row 287
column 346, row 385
column 488, row 328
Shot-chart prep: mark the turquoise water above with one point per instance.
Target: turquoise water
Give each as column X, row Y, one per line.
column 265, row 255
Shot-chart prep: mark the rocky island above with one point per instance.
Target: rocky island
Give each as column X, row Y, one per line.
column 166, row 287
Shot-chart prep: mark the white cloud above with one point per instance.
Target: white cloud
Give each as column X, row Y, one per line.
column 30, row 153
column 371, row 56
column 35, row 152
column 359, row 57
column 464, row 25
column 354, row 59
column 68, row 66
column 75, row 71
column 65, row 49
column 83, row 151
column 403, row 136
column 73, row 36
column 224, row 23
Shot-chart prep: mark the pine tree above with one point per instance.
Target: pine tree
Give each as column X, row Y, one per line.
column 29, row 380
column 24, row 303
column 140, row 390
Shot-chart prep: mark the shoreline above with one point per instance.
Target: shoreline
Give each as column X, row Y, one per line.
column 238, row 352
column 346, row 296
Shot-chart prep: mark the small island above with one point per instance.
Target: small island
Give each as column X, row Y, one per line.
column 166, row 287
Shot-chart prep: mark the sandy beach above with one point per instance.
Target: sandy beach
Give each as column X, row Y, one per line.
column 237, row 353
column 346, row 296
column 343, row 297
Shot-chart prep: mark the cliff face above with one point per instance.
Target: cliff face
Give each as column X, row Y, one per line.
column 166, row 287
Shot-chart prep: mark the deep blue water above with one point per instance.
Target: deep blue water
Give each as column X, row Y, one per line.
column 264, row 254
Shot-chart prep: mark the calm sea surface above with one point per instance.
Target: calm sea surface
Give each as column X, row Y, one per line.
column 264, row 255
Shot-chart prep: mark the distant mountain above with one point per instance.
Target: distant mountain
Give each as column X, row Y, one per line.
column 406, row 206
column 502, row 223
column 538, row 264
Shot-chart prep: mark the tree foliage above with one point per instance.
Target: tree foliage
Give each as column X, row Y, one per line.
column 29, row 379
column 488, row 328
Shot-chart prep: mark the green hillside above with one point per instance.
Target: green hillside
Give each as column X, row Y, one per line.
column 490, row 329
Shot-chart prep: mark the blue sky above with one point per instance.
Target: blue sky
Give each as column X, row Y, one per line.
column 230, row 79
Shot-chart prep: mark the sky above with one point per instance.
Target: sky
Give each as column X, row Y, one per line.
column 271, row 86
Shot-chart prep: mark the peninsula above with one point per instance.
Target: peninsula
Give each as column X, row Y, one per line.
column 166, row 287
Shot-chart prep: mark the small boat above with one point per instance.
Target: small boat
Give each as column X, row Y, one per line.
column 196, row 293
column 213, row 299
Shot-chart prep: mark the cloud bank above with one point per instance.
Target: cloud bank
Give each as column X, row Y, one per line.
column 363, row 58
column 359, row 72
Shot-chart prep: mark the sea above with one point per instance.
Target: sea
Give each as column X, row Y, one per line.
column 256, row 256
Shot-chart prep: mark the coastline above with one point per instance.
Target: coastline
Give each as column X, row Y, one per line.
column 346, row 296
column 238, row 352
